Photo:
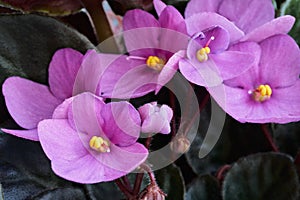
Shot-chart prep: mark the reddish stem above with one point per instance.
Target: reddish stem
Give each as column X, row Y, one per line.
column 138, row 182
column 123, row 188
column 126, row 183
column 221, row 172
column 269, row 137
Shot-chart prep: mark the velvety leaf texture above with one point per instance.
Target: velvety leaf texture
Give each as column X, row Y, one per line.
column 27, row 44
column 205, row 188
column 50, row 7
column 292, row 7
column 262, row 176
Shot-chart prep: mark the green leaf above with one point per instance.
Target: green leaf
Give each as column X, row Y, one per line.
column 102, row 191
column 61, row 193
column 49, row 7
column 170, row 180
column 27, row 44
column 262, row 176
column 287, row 137
column 1, row 193
column 204, row 188
column 292, row 7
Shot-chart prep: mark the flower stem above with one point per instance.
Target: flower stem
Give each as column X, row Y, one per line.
column 123, row 189
column 221, row 172
column 138, row 182
column 126, row 183
column 269, row 137
column 100, row 24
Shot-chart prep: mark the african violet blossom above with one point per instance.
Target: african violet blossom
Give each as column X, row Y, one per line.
column 255, row 18
column 154, row 48
column 269, row 90
column 210, row 60
column 155, row 118
column 89, row 141
column 29, row 102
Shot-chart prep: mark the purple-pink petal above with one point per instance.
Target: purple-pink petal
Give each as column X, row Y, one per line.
column 205, row 20
column 31, row 134
column 170, row 18
column 28, row 102
column 280, row 61
column 232, row 63
column 247, row 14
column 159, row 6
column 120, row 122
column 280, row 25
column 169, row 70
column 197, row 6
column 63, row 69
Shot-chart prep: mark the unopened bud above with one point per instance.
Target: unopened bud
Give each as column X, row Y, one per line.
column 180, row 145
column 152, row 192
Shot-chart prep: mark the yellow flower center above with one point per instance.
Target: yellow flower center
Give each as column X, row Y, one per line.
column 155, row 63
column 262, row 93
column 99, row 144
column 202, row 54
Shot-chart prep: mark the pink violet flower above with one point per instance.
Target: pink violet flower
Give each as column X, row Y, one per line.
column 269, row 90
column 254, row 17
column 210, row 60
column 29, row 102
column 155, row 118
column 89, row 141
column 155, row 48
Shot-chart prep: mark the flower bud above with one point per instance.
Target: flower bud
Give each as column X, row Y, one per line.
column 152, row 192
column 180, row 145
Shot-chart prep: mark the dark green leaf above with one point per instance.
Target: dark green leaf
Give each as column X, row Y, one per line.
column 287, row 137
column 27, row 44
column 61, row 193
column 292, row 7
column 262, row 176
column 170, row 180
column 1, row 193
column 204, row 188
column 102, row 191
column 50, row 7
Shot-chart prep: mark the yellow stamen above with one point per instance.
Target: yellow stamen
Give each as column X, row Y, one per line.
column 155, row 63
column 262, row 93
column 99, row 144
column 202, row 54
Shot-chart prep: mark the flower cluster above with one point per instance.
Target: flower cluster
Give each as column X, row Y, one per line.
column 236, row 49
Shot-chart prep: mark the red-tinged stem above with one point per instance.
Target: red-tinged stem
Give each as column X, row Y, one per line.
column 126, row 183
column 201, row 106
column 100, row 23
column 149, row 172
column 123, row 189
column 138, row 182
column 269, row 137
column 221, row 172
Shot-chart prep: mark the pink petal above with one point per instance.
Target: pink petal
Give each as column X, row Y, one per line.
column 60, row 141
column 31, row 134
column 280, row 25
column 170, row 18
column 159, row 6
column 63, row 69
column 117, row 81
column 247, row 14
column 203, row 74
column 101, row 167
column 169, row 70
column 205, row 20
column 197, row 6
column 230, row 64
column 280, row 61
column 28, row 102
column 120, row 122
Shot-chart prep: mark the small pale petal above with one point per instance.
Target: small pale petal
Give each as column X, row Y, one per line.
column 28, row 102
